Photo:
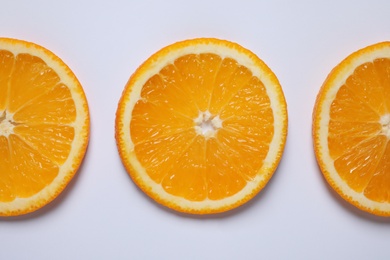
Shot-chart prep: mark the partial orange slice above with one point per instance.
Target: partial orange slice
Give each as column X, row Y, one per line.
column 44, row 126
column 201, row 126
column 351, row 129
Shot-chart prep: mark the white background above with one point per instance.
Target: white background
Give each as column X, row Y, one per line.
column 103, row 215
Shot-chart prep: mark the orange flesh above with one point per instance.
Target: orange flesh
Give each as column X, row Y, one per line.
column 36, row 109
column 187, row 163
column 358, row 140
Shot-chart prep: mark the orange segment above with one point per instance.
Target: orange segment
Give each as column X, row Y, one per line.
column 186, row 178
column 342, row 135
column 6, row 194
column 6, row 65
column 251, row 141
column 30, row 171
column 364, row 83
column 166, row 90
column 223, row 175
column 357, row 165
column 189, row 67
column 29, row 71
column 196, row 129
column 151, row 122
column 232, row 75
column 351, row 129
column 55, row 106
column 348, row 106
column 44, row 126
column 58, row 137
column 378, row 187
column 249, row 100
column 166, row 151
column 382, row 67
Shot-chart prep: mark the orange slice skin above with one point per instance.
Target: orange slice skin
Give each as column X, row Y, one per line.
column 75, row 133
column 128, row 156
column 352, row 188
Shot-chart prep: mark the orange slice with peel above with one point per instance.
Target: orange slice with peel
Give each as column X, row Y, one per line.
column 351, row 129
column 44, row 126
column 201, row 125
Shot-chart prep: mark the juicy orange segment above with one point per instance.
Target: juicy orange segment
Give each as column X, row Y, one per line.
column 351, row 129
column 201, row 126
column 44, row 126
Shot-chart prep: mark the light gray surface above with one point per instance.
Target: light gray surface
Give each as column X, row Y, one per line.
column 102, row 215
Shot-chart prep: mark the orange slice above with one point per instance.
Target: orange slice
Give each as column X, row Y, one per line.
column 44, row 126
column 351, row 129
column 201, row 126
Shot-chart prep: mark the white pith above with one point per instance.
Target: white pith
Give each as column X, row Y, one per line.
column 207, row 124
column 7, row 124
column 385, row 122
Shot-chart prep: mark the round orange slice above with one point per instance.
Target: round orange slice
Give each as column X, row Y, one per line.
column 44, row 126
column 201, row 125
column 351, row 129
